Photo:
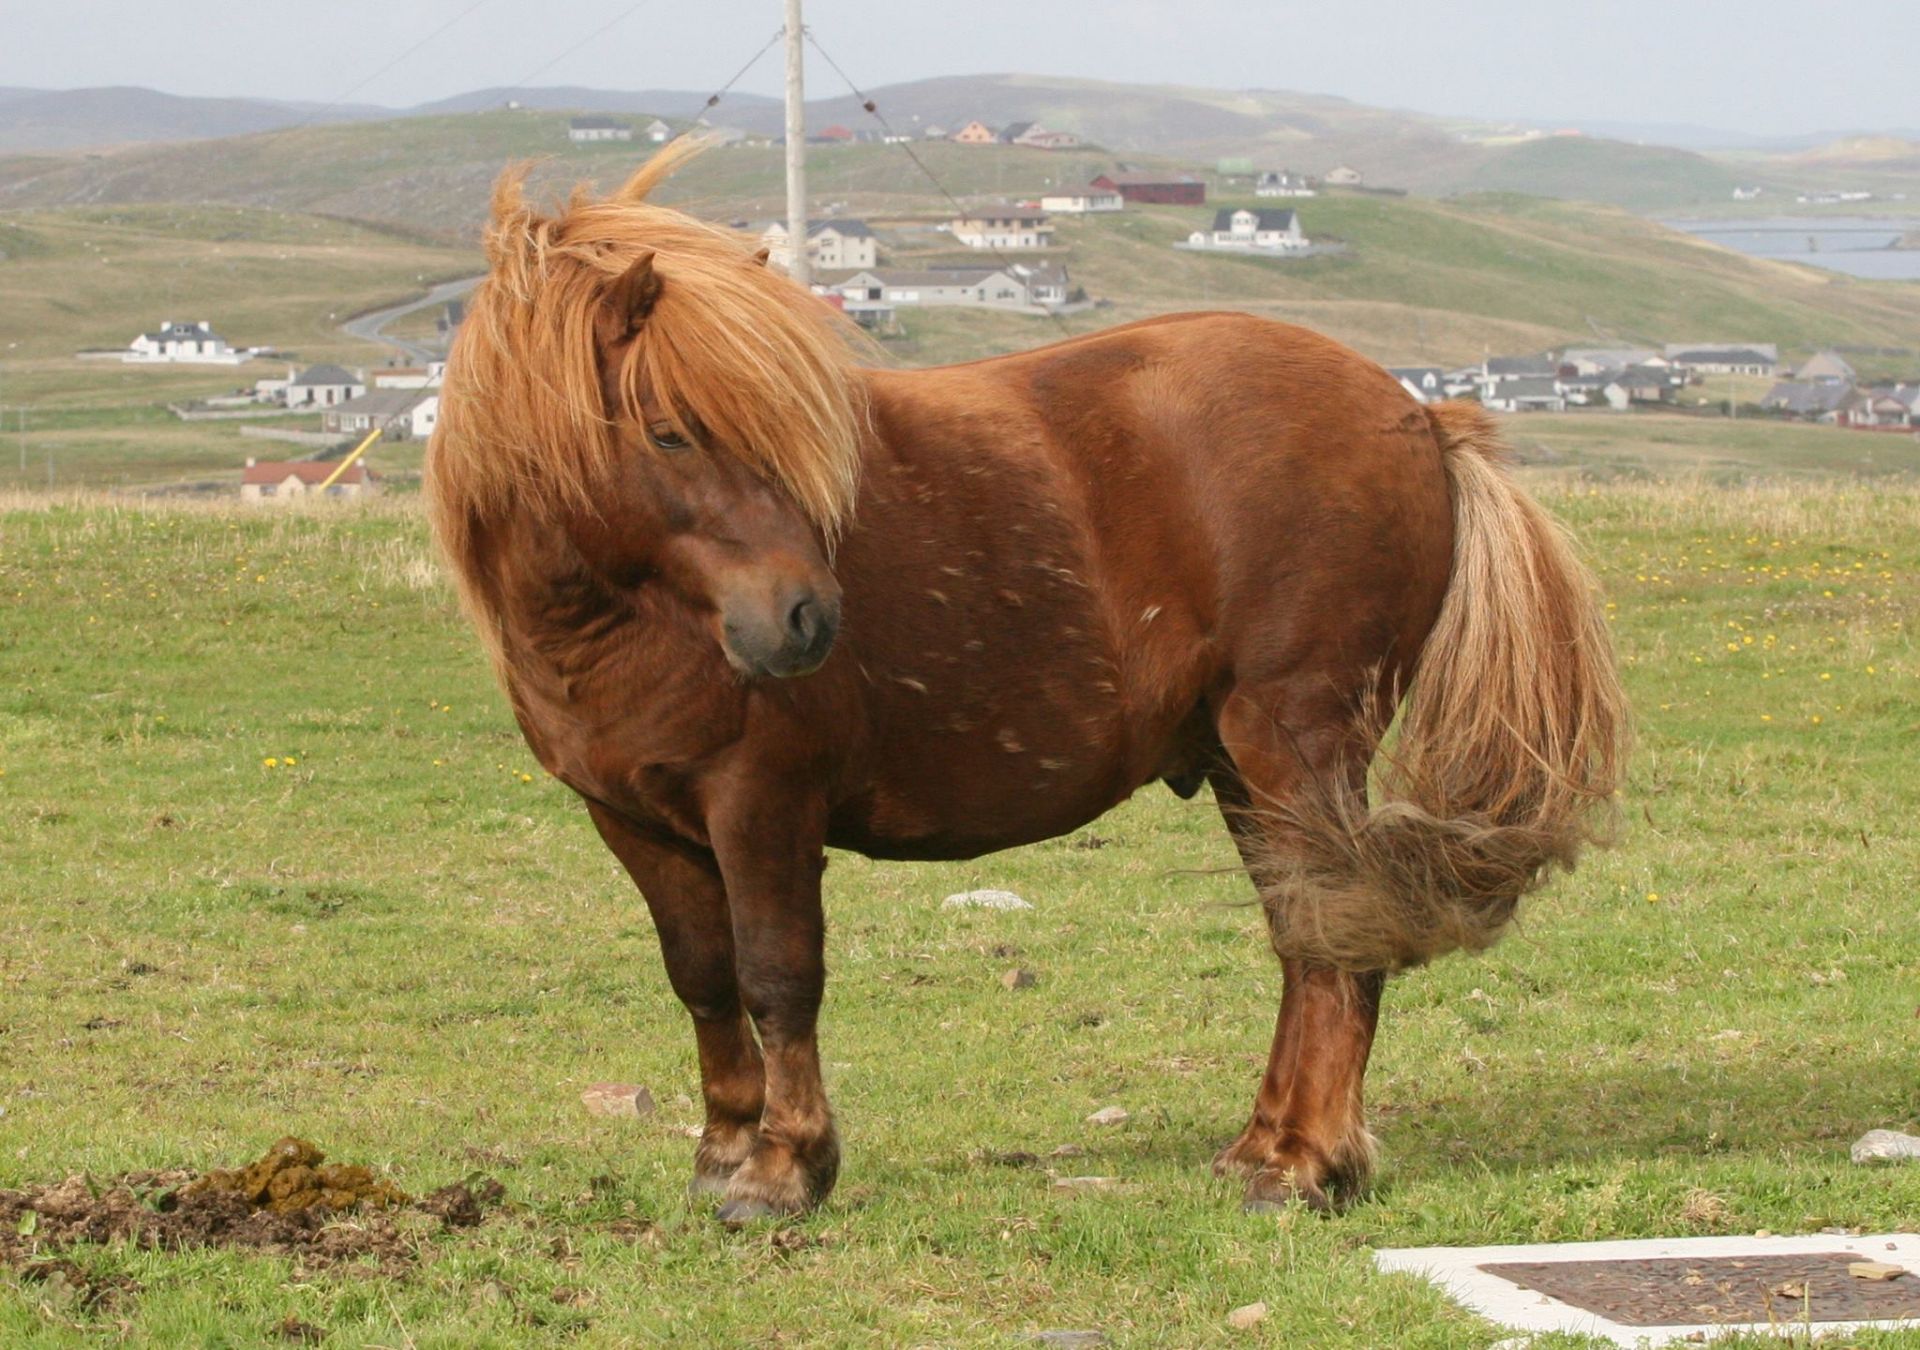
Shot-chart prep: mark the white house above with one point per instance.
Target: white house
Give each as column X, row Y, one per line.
column 1002, row 227
column 1428, row 384
column 658, row 132
column 1342, row 175
column 1532, row 393
column 187, row 343
column 428, row 376
column 425, row 417
column 1083, row 202
column 832, row 245
column 390, row 410
column 1724, row 358
column 1284, row 183
column 582, row 129
column 1251, row 228
column 1019, row 287
column 323, row 387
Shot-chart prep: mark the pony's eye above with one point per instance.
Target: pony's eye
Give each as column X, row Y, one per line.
column 665, row 437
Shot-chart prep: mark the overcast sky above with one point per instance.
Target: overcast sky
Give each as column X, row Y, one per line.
column 1768, row 66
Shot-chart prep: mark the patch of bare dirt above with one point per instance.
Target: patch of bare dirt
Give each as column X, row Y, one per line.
column 289, row 1202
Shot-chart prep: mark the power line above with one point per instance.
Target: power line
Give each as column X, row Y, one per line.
column 615, row 21
column 895, row 138
column 369, row 79
column 714, row 98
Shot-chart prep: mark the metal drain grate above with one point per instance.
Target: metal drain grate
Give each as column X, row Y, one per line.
column 1719, row 1290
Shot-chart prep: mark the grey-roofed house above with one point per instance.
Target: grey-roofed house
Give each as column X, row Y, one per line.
column 986, row 287
column 1527, row 393
column 1827, row 366
column 1244, row 227
column 323, row 386
column 391, row 410
column 582, row 129
column 1814, row 400
column 1426, row 383
column 1720, row 358
column 1519, row 367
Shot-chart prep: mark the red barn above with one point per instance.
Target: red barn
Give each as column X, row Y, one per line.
column 1165, row 189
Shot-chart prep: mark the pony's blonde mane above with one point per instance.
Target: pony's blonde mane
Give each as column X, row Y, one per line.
column 730, row 346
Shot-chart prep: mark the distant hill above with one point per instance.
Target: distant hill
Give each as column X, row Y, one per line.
column 72, row 119
column 674, row 103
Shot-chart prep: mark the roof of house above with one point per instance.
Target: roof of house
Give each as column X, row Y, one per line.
column 1013, row 131
column 848, row 229
column 1532, row 386
column 1645, row 375
column 1045, row 274
column 199, row 332
column 383, row 402
column 1417, row 374
column 935, row 276
column 1825, row 366
column 1511, row 366
column 1806, row 396
column 1676, row 350
column 312, row 472
column 1149, row 179
column 1002, row 213
column 598, row 124
column 1717, row 356
column 323, row 375
column 1264, row 218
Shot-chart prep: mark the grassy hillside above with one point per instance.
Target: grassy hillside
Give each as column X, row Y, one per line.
column 1639, row 177
column 95, row 276
column 278, row 861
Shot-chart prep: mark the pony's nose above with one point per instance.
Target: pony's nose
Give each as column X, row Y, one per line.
column 805, row 621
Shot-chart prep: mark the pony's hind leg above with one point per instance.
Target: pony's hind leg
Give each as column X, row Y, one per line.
column 684, row 893
column 1307, row 1138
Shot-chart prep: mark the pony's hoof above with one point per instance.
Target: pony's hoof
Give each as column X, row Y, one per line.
column 740, row 1213
column 1275, row 1191
column 708, row 1183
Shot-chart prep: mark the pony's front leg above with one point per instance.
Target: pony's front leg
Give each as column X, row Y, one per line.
column 684, row 893
column 771, row 853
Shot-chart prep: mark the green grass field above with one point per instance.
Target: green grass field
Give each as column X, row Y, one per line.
column 403, row 942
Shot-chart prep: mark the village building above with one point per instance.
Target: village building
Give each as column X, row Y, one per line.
column 832, row 245
column 293, row 480
column 428, row 376
column 1827, row 367
column 976, row 133
column 389, row 410
column 1284, row 183
column 1427, row 384
column 1162, row 189
column 1019, row 286
column 1342, row 175
column 584, row 129
column 1875, row 408
column 1251, row 228
column 836, row 134
column 324, row 386
column 1599, row 360
column 1045, row 138
column 184, row 343
column 1810, row 400
column 658, row 132
column 1002, row 227
column 1716, row 358
column 1530, row 393
column 1084, row 201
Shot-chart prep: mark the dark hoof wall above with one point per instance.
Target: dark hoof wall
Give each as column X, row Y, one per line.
column 740, row 1213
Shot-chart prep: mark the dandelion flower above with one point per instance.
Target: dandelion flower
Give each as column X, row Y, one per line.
column 1653, row 897
column 291, row 761
column 271, row 762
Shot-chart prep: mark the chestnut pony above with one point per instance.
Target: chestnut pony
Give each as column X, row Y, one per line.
column 751, row 600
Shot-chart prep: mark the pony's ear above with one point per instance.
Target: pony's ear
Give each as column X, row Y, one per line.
column 760, row 256
column 627, row 302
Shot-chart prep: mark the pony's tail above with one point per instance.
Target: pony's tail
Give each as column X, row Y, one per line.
column 1510, row 748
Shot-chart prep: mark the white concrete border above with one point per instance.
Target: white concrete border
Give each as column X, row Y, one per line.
column 1457, row 1271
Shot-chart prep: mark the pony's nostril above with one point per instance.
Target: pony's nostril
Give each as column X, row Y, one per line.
column 803, row 620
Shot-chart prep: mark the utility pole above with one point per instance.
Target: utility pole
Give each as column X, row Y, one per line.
column 798, row 268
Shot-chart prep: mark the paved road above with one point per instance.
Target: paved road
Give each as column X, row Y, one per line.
column 371, row 327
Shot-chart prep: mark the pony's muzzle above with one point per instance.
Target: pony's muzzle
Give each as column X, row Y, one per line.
column 793, row 636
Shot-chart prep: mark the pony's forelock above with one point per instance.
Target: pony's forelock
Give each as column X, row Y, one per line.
column 759, row 364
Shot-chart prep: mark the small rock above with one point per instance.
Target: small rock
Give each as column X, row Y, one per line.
column 1109, row 1115
column 1874, row 1270
column 1885, row 1146
column 1085, row 1183
column 1247, row 1316
column 1017, row 979
column 1069, row 1340
column 984, row 900
column 626, row 1100
column 1068, row 1151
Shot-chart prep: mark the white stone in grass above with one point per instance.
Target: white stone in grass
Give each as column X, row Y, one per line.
column 1886, row 1146
column 627, row 1101
column 1247, row 1316
column 1109, row 1115
column 984, row 900
column 1070, row 1340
